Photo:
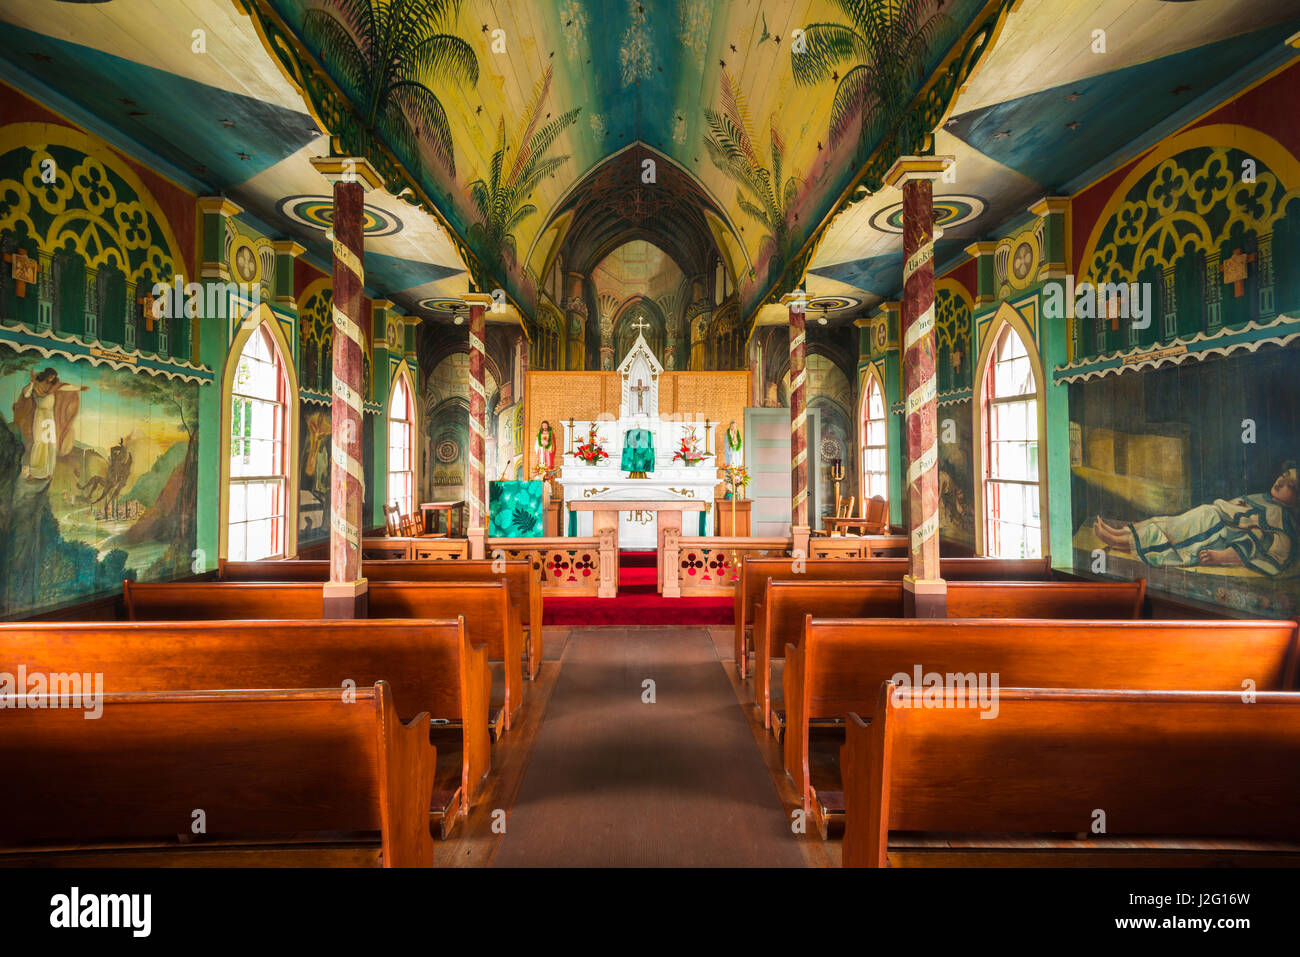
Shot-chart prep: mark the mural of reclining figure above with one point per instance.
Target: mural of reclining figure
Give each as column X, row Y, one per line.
column 1257, row 531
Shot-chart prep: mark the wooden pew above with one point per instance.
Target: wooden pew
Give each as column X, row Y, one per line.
column 287, row 778
column 779, row 617
column 840, row 664
column 1048, row 599
column 784, row 604
column 429, row 665
column 755, row 572
column 491, row 619
column 1184, row 778
column 523, row 583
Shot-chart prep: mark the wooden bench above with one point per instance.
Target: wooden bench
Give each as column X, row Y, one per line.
column 1182, row 778
column 523, row 583
column 840, row 664
column 491, row 619
column 780, row 615
column 429, row 665
column 779, row 618
column 297, row 778
column 755, row 572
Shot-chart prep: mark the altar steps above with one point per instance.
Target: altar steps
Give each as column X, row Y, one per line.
column 638, row 602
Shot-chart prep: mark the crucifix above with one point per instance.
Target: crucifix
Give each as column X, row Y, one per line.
column 1235, row 271
column 24, row 271
column 640, row 389
column 640, row 324
column 147, row 301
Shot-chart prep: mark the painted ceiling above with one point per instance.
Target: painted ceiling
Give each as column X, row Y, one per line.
column 579, row 82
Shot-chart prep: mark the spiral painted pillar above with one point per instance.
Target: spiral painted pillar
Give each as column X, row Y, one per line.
column 796, row 302
column 923, row 586
column 345, row 593
column 475, row 477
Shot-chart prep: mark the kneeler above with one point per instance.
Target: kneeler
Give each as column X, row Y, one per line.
column 638, row 453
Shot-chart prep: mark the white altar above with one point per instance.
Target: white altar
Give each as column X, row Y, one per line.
column 671, row 483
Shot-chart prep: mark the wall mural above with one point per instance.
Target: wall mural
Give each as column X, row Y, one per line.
column 1187, row 476
column 98, row 479
column 314, row 470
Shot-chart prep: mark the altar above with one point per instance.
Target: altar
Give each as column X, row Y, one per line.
column 638, row 479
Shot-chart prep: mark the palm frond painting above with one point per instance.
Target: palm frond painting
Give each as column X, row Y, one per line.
column 387, row 55
column 501, row 198
column 761, row 193
column 876, row 61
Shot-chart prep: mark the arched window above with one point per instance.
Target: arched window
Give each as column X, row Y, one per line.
column 401, row 447
column 258, row 455
column 1012, row 519
column 875, row 443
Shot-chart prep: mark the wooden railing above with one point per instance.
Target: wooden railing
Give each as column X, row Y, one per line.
column 431, row 549
column 698, row 566
column 568, row 566
column 857, row 546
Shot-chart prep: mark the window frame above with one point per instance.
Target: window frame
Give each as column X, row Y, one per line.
column 260, row 320
column 993, row 522
column 873, row 385
column 402, row 386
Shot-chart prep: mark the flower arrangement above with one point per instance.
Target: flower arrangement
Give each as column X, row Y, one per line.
column 690, row 452
column 545, row 473
column 736, row 478
column 591, row 451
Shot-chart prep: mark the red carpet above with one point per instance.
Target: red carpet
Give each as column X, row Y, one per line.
column 638, row 603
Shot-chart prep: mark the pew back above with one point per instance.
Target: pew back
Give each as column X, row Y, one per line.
column 522, row 581
column 428, row 666
column 1161, row 764
column 755, row 573
column 839, row 665
column 786, row 603
column 274, row 772
column 490, row 617
column 1046, row 599
column 780, row 616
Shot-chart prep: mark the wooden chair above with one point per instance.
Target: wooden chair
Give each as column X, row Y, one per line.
column 392, row 521
column 875, row 515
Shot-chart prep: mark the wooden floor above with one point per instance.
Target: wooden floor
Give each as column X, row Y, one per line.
column 743, row 813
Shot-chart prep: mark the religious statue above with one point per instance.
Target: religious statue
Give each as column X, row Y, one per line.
column 545, row 446
column 734, row 453
column 638, row 453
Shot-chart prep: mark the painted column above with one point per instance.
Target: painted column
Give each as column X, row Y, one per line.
column 345, row 593
column 475, row 477
column 799, row 526
column 924, row 589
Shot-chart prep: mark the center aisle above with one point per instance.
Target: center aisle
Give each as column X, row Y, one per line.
column 613, row 781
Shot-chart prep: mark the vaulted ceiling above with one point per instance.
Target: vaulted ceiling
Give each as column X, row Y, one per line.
column 593, row 89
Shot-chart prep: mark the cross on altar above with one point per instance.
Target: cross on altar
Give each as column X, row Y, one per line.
column 641, row 325
column 24, row 271
column 640, row 389
column 1235, row 269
